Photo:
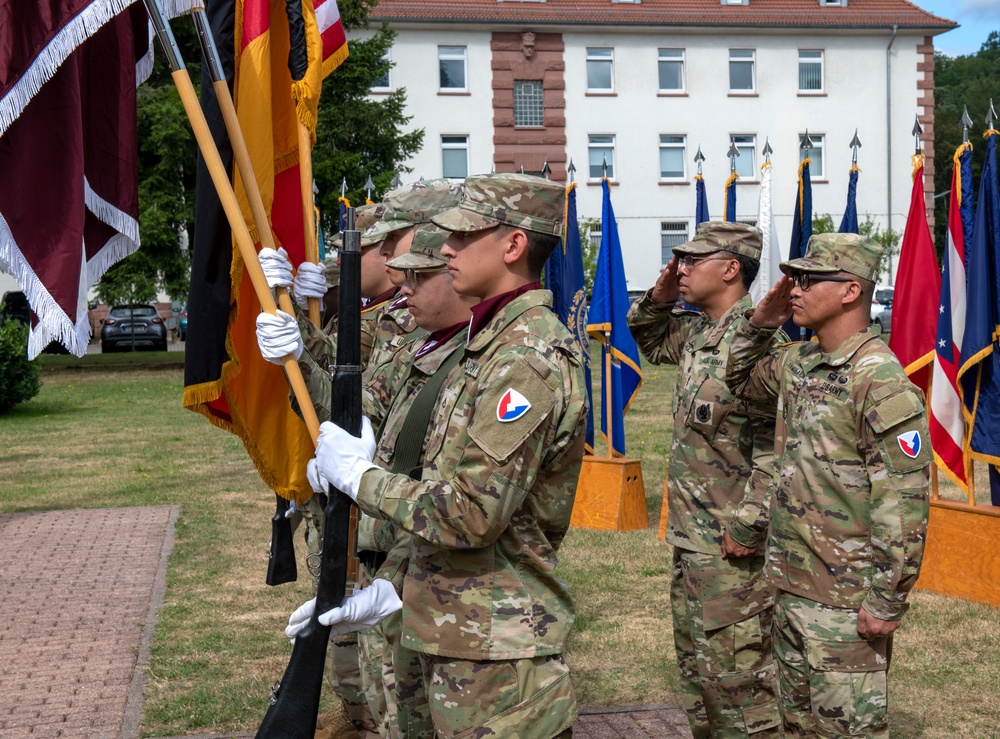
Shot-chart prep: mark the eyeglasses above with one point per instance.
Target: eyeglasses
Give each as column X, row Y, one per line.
column 804, row 280
column 689, row 261
column 412, row 276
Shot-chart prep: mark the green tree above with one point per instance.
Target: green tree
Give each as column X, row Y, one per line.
column 167, row 156
column 890, row 239
column 969, row 80
column 360, row 135
column 19, row 378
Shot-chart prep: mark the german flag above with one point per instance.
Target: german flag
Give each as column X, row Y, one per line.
column 226, row 379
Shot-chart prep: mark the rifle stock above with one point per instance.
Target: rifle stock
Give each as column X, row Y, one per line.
column 295, row 700
column 281, row 566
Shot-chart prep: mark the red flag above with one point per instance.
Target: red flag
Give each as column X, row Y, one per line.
column 918, row 287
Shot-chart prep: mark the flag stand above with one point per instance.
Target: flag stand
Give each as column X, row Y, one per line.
column 610, row 495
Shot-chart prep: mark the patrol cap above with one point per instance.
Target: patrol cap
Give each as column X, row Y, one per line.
column 414, row 204
column 364, row 218
column 712, row 236
column 425, row 250
column 519, row 200
column 837, row 252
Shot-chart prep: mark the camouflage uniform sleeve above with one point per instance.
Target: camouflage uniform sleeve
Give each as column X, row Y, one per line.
column 658, row 331
column 320, row 353
column 753, row 372
column 495, row 468
column 898, row 457
column 396, row 562
column 749, row 524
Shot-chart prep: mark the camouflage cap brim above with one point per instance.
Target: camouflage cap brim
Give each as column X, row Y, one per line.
column 804, row 264
column 464, row 221
column 695, row 247
column 381, row 229
column 416, row 261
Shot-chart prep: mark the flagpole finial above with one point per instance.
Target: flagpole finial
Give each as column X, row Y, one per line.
column 807, row 143
column 522, row 167
column 604, row 167
column 493, row 169
column 397, row 181
column 733, row 153
column 369, row 186
column 855, row 145
column 917, row 130
column 768, row 151
column 546, row 169
column 965, row 124
column 991, row 116
column 571, row 170
column 421, row 178
column 343, row 188
column 699, row 158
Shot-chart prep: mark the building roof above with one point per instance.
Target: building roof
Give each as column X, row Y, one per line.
column 757, row 13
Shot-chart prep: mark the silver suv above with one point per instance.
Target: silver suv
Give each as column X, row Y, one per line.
column 882, row 308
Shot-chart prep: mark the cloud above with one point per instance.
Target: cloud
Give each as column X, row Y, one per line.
column 987, row 10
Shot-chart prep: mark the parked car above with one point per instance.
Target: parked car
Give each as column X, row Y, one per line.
column 182, row 323
column 133, row 325
column 882, row 308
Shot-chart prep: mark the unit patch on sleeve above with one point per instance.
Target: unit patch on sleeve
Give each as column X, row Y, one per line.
column 512, row 406
column 910, row 443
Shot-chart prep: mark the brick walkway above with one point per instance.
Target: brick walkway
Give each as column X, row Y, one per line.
column 78, row 597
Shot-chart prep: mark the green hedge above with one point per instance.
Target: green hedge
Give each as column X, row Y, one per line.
column 19, row 378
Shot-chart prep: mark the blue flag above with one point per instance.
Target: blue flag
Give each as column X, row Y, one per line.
column 979, row 371
column 700, row 202
column 849, row 223
column 344, row 205
column 564, row 277
column 730, row 214
column 621, row 375
column 802, row 222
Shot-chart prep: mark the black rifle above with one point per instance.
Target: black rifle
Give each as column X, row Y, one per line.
column 295, row 700
column 281, row 556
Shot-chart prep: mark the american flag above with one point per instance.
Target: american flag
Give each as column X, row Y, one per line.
column 946, row 422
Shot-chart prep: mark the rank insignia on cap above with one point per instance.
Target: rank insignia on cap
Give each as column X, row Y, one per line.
column 512, row 406
column 910, row 443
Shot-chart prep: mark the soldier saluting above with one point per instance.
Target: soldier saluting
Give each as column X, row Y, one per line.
column 849, row 510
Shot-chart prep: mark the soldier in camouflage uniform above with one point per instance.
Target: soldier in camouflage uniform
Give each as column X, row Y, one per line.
column 484, row 618
column 719, row 472
column 849, row 508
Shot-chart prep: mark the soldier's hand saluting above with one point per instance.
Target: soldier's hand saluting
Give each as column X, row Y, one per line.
column 776, row 307
column 667, row 288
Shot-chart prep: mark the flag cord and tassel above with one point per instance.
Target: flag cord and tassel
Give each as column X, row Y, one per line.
column 227, row 197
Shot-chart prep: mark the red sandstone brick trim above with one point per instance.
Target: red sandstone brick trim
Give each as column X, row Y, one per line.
column 925, row 99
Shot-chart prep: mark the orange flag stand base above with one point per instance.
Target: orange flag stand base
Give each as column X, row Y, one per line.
column 961, row 557
column 610, row 495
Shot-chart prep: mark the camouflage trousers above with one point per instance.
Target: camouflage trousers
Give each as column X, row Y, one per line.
column 512, row 699
column 722, row 636
column 343, row 672
column 833, row 682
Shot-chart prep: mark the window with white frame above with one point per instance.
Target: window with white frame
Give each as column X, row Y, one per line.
column 384, row 83
column 452, row 69
column 816, row 165
column 672, row 234
column 601, row 149
column 746, row 162
column 747, row 221
column 741, row 70
column 811, row 70
column 455, row 157
column 834, row 3
column 600, row 70
column 529, row 108
column 671, row 70
column 594, row 236
column 672, row 157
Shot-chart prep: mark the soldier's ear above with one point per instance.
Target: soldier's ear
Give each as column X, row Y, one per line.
column 852, row 292
column 515, row 246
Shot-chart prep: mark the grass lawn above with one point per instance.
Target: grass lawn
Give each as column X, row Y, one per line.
column 107, row 433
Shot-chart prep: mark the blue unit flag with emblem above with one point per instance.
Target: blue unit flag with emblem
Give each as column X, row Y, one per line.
column 621, row 374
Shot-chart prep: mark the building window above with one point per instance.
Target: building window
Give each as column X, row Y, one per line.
column 741, row 70
column 455, row 157
column 451, row 66
column 672, row 233
column 816, row 166
column 594, row 236
column 600, row 70
column 833, row 3
column 671, row 63
column 528, row 103
column 748, row 221
column 601, row 149
column 384, row 83
column 810, row 70
column 672, row 157
column 746, row 145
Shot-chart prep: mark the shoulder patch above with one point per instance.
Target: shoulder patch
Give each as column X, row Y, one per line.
column 510, row 408
column 898, row 418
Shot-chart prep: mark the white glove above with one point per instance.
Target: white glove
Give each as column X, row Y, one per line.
column 310, row 282
column 343, row 459
column 278, row 336
column 360, row 611
column 317, row 482
column 277, row 268
column 292, row 509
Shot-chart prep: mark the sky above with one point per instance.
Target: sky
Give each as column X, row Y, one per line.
column 976, row 18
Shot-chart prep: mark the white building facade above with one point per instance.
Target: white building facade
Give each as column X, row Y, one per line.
column 500, row 85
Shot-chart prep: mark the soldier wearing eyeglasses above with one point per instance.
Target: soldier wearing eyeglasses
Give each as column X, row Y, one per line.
column 718, row 477
column 849, row 508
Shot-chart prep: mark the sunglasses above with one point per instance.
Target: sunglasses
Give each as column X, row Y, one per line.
column 412, row 276
column 804, row 280
column 689, row 261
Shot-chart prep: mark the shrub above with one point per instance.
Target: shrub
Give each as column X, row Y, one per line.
column 19, row 378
